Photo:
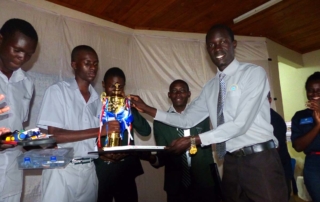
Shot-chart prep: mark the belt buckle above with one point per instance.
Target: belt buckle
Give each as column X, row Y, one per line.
column 75, row 161
column 80, row 161
column 243, row 153
column 239, row 153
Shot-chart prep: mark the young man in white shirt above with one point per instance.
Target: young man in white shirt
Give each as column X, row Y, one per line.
column 18, row 42
column 252, row 169
column 70, row 111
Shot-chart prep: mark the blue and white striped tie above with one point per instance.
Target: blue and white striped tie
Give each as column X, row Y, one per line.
column 221, row 147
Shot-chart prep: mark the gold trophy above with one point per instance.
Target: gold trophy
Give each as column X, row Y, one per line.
column 115, row 104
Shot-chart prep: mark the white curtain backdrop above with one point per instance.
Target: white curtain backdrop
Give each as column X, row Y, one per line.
column 150, row 62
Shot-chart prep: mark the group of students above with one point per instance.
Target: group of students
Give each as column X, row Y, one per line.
column 235, row 101
column 70, row 111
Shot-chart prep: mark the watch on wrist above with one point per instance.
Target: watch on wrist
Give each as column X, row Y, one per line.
column 193, row 146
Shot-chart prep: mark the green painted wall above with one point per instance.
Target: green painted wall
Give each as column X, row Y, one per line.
column 292, row 81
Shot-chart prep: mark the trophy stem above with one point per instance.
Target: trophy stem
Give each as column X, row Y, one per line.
column 113, row 139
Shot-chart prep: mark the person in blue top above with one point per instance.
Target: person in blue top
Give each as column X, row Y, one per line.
column 305, row 126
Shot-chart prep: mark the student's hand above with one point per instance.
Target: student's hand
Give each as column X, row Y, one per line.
column 113, row 157
column 113, row 126
column 3, row 109
column 180, row 145
column 138, row 103
column 314, row 105
column 5, row 146
column 4, row 131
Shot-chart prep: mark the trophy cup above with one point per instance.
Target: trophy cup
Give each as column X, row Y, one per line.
column 115, row 107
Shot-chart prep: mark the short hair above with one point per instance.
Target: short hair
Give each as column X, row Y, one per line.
column 221, row 26
column 314, row 77
column 114, row 71
column 181, row 81
column 18, row 25
column 79, row 48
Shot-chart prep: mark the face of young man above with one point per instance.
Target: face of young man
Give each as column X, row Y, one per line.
column 220, row 48
column 15, row 51
column 86, row 65
column 179, row 94
column 313, row 90
column 109, row 84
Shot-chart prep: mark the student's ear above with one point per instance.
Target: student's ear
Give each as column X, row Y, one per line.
column 189, row 94
column 234, row 43
column 103, row 85
column 169, row 95
column 73, row 65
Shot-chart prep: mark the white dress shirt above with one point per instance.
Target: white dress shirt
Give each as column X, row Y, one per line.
column 18, row 92
column 246, row 108
column 63, row 106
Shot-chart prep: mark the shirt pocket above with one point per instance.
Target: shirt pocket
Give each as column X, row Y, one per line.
column 25, row 106
column 90, row 117
column 231, row 101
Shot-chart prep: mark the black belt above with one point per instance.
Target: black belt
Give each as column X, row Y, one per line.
column 253, row 149
column 81, row 161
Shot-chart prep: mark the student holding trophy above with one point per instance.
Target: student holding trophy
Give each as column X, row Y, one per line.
column 117, row 171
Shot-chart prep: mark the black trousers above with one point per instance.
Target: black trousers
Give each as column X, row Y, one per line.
column 193, row 194
column 113, row 184
column 255, row 177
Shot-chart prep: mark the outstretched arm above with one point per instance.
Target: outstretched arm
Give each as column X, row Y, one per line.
column 63, row 135
column 139, row 104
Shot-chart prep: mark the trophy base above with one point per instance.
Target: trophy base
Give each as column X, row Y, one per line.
column 113, row 140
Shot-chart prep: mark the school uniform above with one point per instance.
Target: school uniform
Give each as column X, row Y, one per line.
column 63, row 106
column 117, row 180
column 302, row 123
column 202, row 187
column 18, row 93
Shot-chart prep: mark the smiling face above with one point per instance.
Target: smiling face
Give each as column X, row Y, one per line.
column 179, row 95
column 220, row 47
column 15, row 50
column 85, row 65
column 313, row 90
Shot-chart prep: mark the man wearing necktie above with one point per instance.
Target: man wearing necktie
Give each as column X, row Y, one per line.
column 252, row 170
column 187, row 177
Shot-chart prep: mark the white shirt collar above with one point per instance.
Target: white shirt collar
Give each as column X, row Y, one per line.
column 74, row 85
column 173, row 110
column 231, row 68
column 16, row 76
